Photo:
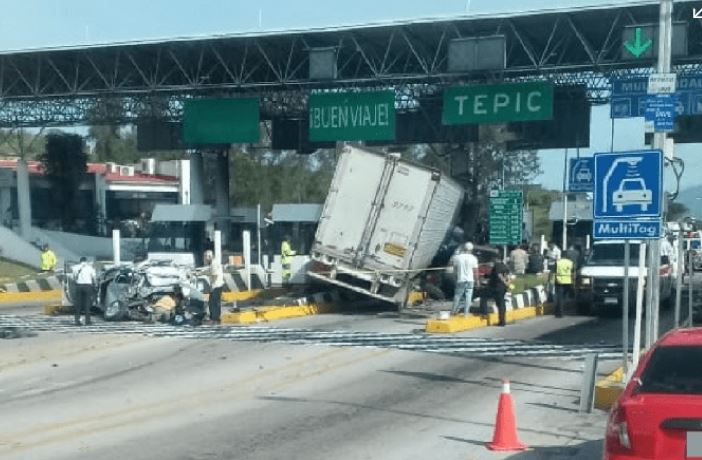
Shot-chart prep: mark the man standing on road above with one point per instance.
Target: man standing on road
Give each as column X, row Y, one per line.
column 564, row 282
column 465, row 269
column 48, row 259
column 85, row 277
column 216, row 273
column 499, row 284
column 286, row 255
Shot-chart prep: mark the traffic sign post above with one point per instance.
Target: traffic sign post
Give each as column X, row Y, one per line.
column 506, row 217
column 628, row 204
column 581, row 173
column 628, row 185
column 660, row 113
column 630, row 95
column 662, row 83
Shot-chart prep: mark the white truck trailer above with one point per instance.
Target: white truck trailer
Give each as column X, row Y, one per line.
column 382, row 223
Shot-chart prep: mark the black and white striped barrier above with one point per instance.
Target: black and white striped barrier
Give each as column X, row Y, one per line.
column 51, row 283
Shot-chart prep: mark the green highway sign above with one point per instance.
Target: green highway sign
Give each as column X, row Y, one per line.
column 221, row 121
column 506, row 216
column 639, row 45
column 640, row 41
column 346, row 116
column 527, row 101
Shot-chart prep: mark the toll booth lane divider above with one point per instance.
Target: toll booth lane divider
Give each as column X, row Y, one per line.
column 528, row 304
column 608, row 389
column 304, row 306
column 47, row 289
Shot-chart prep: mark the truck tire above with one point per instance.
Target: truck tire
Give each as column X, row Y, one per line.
column 434, row 292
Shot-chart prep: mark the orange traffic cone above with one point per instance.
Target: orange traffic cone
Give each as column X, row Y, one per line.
column 505, row 437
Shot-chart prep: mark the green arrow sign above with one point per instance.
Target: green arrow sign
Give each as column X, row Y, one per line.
column 639, row 46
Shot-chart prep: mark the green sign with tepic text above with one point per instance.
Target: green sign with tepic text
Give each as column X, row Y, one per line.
column 498, row 103
column 366, row 116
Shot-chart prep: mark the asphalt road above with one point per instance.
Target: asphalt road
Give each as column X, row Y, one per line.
column 93, row 393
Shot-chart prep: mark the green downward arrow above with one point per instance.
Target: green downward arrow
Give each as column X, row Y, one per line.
column 638, row 47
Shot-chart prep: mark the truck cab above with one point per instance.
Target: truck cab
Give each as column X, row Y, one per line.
column 600, row 280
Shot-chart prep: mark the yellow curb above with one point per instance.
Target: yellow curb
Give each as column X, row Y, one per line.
column 232, row 296
column 460, row 323
column 275, row 312
column 37, row 296
column 608, row 389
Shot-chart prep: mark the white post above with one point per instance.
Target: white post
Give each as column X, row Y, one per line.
column 679, row 273
column 690, row 277
column 24, row 202
column 665, row 34
column 543, row 244
column 639, row 307
column 587, row 242
column 116, row 250
column 246, row 240
column 218, row 245
column 258, row 233
column 625, row 308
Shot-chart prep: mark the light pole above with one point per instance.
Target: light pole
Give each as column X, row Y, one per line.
column 665, row 40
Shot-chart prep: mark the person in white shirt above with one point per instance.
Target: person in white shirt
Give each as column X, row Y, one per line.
column 465, row 269
column 217, row 283
column 85, row 277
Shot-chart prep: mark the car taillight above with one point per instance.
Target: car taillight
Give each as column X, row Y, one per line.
column 618, row 431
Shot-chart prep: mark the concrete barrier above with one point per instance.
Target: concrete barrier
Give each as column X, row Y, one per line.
column 303, row 306
column 48, row 289
column 608, row 390
column 524, row 305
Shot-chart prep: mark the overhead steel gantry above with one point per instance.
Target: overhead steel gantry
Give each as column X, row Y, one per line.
column 152, row 79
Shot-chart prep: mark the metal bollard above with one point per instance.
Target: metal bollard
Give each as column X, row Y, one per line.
column 587, row 391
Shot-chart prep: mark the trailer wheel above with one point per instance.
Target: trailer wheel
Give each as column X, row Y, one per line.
column 434, row 292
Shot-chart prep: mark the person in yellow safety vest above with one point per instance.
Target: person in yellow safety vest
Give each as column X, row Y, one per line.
column 563, row 282
column 286, row 254
column 48, row 259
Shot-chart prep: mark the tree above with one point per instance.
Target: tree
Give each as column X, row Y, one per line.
column 114, row 144
column 22, row 143
column 267, row 178
column 677, row 211
column 481, row 167
column 65, row 163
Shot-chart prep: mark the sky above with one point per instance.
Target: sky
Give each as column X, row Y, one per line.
column 30, row 24
column 50, row 23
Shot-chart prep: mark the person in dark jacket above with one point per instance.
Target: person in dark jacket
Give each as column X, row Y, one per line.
column 499, row 285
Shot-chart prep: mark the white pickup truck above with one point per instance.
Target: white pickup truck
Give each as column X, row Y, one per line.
column 600, row 280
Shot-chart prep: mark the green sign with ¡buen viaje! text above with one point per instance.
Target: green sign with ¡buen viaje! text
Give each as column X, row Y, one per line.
column 346, row 116
column 529, row 101
column 221, row 121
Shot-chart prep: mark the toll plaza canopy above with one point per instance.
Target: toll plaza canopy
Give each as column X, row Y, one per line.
column 568, row 46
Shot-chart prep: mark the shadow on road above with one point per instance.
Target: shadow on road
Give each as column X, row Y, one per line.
column 486, row 382
column 588, row 450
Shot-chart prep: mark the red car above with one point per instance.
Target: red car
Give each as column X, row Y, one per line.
column 659, row 414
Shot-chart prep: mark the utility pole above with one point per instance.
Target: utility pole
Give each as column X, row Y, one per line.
column 665, row 40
